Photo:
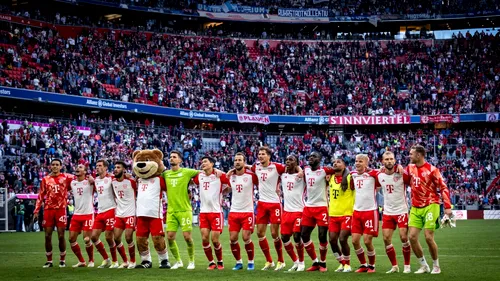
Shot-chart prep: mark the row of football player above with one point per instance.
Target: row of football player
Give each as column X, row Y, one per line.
column 348, row 207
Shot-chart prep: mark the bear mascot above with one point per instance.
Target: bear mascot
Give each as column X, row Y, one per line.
column 148, row 166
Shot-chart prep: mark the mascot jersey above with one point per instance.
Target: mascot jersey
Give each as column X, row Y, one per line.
column 177, row 189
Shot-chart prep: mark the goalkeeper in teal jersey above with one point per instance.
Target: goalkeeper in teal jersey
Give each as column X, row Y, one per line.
column 179, row 210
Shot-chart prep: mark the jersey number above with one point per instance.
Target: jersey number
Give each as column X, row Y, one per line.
column 324, row 217
column 369, row 224
column 63, row 219
column 277, row 212
column 130, row 221
column 110, row 222
column 250, row 220
column 88, row 223
column 185, row 222
column 402, row 217
column 217, row 221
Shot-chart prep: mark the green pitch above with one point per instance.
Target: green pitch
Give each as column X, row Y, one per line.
column 469, row 252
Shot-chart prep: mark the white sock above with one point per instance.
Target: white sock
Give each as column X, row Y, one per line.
column 146, row 256
column 241, row 262
column 435, row 262
column 163, row 255
column 422, row 261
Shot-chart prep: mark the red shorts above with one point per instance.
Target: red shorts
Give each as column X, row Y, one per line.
column 337, row 224
column 238, row 221
column 315, row 215
column 54, row 217
column 125, row 223
column 105, row 221
column 81, row 222
column 291, row 223
column 212, row 221
column 147, row 225
column 365, row 222
column 391, row 221
column 268, row 212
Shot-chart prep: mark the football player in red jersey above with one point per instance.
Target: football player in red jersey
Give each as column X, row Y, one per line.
column 426, row 183
column 54, row 197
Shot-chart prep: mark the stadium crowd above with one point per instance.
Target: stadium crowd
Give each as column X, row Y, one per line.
column 465, row 157
column 224, row 75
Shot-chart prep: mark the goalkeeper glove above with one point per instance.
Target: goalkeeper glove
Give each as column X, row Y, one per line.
column 447, row 221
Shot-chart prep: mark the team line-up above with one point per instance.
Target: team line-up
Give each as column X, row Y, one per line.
column 339, row 202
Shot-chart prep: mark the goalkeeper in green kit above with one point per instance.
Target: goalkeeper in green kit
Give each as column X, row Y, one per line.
column 179, row 210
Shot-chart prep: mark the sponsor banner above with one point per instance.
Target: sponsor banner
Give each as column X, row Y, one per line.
column 303, row 13
column 370, row 120
column 27, row 196
column 320, row 1
column 492, row 117
column 232, row 8
column 460, row 214
column 260, row 18
column 492, row 215
column 441, row 118
column 258, row 119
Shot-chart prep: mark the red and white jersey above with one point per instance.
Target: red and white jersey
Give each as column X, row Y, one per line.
column 210, row 191
column 316, row 186
column 149, row 194
column 293, row 192
column 83, row 194
column 242, row 192
column 394, row 190
column 125, row 191
column 268, row 181
column 53, row 193
column 105, row 195
column 366, row 188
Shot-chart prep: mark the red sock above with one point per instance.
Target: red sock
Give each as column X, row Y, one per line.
column 406, row 252
column 100, row 248
column 235, row 249
column 112, row 250
column 391, row 254
column 290, row 251
column 371, row 257
column 49, row 256
column 131, row 251
column 309, row 246
column 208, row 251
column 361, row 256
column 218, row 251
column 279, row 249
column 264, row 246
column 78, row 252
column 250, row 248
column 346, row 260
column 62, row 256
column 121, row 251
column 300, row 251
column 323, row 250
column 90, row 251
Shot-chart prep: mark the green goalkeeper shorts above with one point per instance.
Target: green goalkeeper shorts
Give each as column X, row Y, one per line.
column 426, row 217
column 184, row 220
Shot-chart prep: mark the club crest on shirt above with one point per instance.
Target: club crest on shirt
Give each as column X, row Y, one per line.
column 245, row 179
column 318, row 173
column 425, row 174
column 397, row 177
column 105, row 180
column 269, row 169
